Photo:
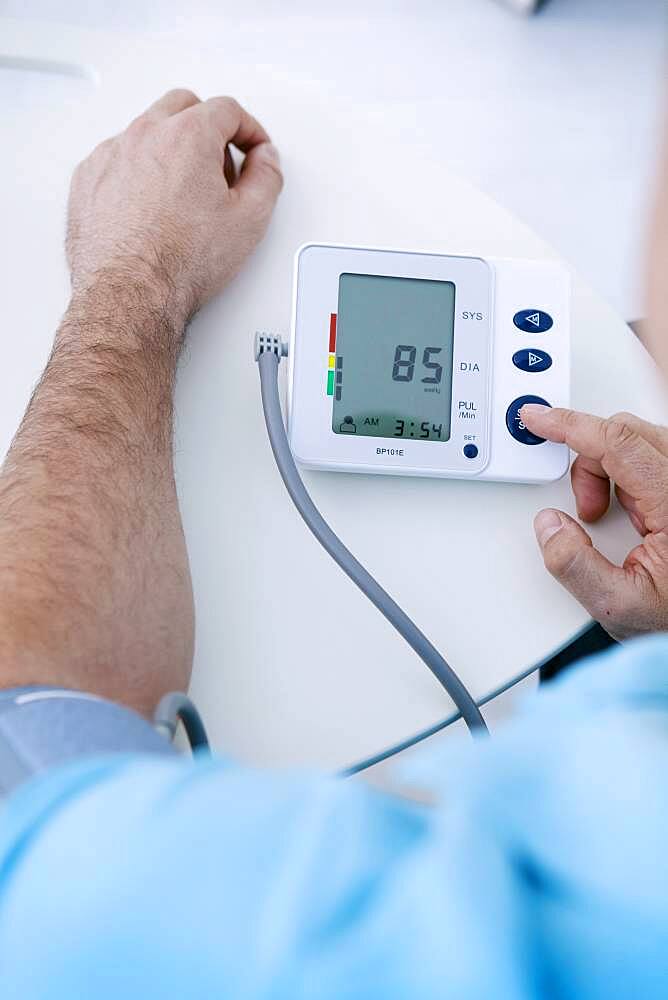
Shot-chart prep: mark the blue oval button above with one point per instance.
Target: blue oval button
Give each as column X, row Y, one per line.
column 532, row 320
column 532, row 359
column 518, row 430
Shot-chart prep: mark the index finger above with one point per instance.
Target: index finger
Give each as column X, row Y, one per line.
column 232, row 122
column 170, row 104
column 615, row 443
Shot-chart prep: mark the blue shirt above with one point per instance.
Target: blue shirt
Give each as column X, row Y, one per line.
column 540, row 871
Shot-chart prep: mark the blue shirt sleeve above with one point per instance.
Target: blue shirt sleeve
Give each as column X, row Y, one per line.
column 539, row 869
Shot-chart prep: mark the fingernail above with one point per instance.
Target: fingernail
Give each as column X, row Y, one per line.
column 533, row 409
column 546, row 523
column 270, row 153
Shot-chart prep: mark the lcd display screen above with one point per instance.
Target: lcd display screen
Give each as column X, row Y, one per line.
column 394, row 350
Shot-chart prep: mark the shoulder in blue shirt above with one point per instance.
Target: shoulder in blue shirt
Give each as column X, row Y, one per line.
column 539, row 871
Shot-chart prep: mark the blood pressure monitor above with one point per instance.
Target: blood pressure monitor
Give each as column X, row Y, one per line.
column 418, row 364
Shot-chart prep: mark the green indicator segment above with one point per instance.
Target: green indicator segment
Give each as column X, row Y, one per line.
column 330, row 383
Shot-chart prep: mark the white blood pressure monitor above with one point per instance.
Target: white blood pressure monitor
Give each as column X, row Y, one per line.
column 417, row 363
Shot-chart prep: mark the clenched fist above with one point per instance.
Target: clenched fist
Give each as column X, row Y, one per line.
column 160, row 204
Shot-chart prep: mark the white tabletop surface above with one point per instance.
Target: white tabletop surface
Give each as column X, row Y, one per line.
column 555, row 116
column 291, row 663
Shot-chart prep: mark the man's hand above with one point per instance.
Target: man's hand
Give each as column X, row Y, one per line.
column 161, row 205
column 633, row 455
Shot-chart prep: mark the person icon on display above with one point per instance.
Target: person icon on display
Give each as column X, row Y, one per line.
column 348, row 426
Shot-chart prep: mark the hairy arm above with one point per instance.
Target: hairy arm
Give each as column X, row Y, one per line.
column 95, row 589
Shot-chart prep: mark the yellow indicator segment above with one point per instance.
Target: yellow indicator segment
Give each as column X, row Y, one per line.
column 332, row 360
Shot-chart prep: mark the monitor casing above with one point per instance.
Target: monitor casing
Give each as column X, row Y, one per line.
column 489, row 293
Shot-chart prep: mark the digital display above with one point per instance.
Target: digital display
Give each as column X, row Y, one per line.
column 394, row 348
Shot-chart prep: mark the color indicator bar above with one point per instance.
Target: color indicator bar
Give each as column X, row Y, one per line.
column 332, row 360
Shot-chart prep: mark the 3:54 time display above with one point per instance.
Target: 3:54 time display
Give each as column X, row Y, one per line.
column 407, row 428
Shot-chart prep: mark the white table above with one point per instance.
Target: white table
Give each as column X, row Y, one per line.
column 276, row 680
column 556, row 140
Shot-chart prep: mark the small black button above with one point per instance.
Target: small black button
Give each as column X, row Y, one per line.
column 532, row 320
column 470, row 451
column 530, row 359
column 515, row 425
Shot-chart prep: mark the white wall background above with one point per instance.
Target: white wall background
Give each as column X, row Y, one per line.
column 555, row 116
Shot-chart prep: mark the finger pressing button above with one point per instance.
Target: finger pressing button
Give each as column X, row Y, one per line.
column 514, row 424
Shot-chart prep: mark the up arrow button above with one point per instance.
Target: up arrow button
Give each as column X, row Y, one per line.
column 532, row 321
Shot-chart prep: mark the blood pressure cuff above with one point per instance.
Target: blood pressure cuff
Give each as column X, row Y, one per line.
column 43, row 727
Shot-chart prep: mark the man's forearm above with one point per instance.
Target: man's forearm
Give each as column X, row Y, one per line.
column 94, row 576
column 95, row 588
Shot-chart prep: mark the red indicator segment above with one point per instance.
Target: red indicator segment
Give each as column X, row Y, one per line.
column 332, row 333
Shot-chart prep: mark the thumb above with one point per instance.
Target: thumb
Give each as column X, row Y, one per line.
column 606, row 591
